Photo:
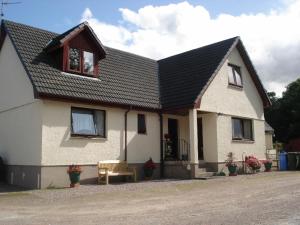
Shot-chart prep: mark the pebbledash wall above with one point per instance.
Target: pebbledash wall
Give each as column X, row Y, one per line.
column 219, row 104
column 20, row 120
column 59, row 149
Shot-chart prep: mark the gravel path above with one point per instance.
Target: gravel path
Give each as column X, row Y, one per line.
column 265, row 198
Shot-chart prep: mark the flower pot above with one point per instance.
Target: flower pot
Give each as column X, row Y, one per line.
column 74, row 178
column 232, row 170
column 268, row 166
column 148, row 173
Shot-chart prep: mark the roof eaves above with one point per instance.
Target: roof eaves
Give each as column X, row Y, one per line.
column 252, row 70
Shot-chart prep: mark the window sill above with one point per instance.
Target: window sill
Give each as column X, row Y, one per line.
column 81, row 76
column 243, row 141
column 79, row 73
column 237, row 87
column 92, row 137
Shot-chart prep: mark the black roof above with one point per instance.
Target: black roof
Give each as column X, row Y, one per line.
column 125, row 78
column 183, row 76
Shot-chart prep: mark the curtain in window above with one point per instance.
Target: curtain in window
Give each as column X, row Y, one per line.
column 100, row 122
column 88, row 62
column 238, row 77
column 237, row 128
column 83, row 122
column 231, row 75
column 247, row 129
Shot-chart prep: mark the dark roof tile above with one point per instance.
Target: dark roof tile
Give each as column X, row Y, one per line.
column 125, row 78
column 183, row 76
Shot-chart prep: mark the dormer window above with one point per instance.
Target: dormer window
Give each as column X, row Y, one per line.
column 88, row 62
column 79, row 50
column 74, row 59
column 81, row 61
column 235, row 75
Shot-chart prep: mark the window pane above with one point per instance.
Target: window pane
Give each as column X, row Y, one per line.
column 74, row 59
column 83, row 122
column 141, row 124
column 237, row 129
column 231, row 75
column 247, row 129
column 88, row 62
column 100, row 122
column 238, row 76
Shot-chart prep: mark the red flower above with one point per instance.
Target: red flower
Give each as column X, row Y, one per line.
column 149, row 164
column 74, row 169
column 267, row 161
column 252, row 162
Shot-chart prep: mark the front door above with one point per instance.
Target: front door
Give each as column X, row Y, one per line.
column 173, row 133
column 200, row 139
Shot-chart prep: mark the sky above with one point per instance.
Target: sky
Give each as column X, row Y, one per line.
column 156, row 29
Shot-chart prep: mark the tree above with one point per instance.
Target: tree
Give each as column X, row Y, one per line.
column 284, row 114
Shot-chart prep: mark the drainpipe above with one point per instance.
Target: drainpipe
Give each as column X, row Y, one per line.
column 161, row 146
column 125, row 115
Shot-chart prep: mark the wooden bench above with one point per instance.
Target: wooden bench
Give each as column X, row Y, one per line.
column 111, row 168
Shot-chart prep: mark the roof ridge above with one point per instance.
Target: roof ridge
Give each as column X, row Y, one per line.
column 196, row 49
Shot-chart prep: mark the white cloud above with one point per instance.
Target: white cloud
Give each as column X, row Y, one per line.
column 272, row 39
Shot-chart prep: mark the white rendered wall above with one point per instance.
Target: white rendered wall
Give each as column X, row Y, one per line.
column 222, row 102
column 61, row 149
column 20, row 115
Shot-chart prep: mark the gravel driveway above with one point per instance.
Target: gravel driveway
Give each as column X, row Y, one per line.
column 265, row 198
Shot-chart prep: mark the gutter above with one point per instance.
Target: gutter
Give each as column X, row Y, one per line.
column 125, row 119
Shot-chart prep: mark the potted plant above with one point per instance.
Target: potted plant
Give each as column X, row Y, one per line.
column 74, row 172
column 231, row 165
column 149, row 167
column 268, row 165
column 168, row 147
column 253, row 163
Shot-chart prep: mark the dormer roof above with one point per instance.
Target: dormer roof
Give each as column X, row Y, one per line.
column 61, row 39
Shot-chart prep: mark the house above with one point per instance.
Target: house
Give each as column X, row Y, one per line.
column 67, row 99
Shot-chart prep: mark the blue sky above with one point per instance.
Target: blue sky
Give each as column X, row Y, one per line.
column 58, row 16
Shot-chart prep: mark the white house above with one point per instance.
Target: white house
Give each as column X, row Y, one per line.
column 67, row 99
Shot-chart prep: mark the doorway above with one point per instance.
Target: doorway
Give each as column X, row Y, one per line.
column 200, row 139
column 173, row 133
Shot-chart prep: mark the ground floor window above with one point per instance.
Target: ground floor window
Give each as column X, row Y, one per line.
column 242, row 129
column 87, row 122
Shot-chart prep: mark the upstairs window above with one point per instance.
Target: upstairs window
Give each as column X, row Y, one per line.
column 88, row 62
column 235, row 76
column 81, row 61
column 74, row 59
column 142, row 124
column 88, row 122
column 242, row 129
